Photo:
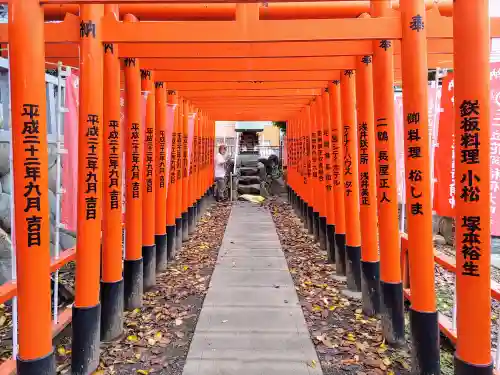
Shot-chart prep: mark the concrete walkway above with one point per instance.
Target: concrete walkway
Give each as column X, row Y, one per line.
column 251, row 322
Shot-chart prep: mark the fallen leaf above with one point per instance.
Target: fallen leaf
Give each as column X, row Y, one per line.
column 312, row 364
column 132, row 338
column 143, row 372
column 178, row 322
column 351, row 337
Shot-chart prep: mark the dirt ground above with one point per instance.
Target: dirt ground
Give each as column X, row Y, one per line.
column 157, row 336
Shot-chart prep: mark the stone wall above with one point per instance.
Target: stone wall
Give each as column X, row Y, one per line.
column 67, row 239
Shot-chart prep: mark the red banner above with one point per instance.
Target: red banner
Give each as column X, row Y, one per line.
column 444, row 189
column 69, row 180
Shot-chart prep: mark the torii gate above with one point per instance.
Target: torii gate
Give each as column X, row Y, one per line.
column 257, row 66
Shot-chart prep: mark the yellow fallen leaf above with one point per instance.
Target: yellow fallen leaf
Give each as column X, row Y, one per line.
column 358, row 311
column 61, row 351
column 351, row 337
column 143, row 372
column 386, row 361
column 132, row 338
column 312, row 364
column 390, row 372
column 307, row 282
column 158, row 335
column 316, row 308
column 98, row 372
column 3, row 319
column 185, row 268
column 136, row 311
column 331, row 308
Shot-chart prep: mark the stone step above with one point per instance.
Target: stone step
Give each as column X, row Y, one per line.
column 249, row 189
column 249, row 171
column 249, row 180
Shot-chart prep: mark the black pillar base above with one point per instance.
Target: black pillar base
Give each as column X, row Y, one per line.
column 197, row 211
column 161, row 252
column 392, row 312
column 310, row 220
column 40, row 366
column 425, row 340
column 330, row 242
column 353, row 270
column 340, row 255
column 370, row 287
column 178, row 234
column 149, row 264
column 302, row 210
column 170, row 242
column 85, row 339
column 465, row 368
column 191, row 220
column 316, row 226
column 133, row 283
column 185, row 227
column 322, row 232
column 111, row 310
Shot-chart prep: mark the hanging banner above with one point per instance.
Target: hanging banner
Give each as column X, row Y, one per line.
column 444, row 168
column 444, row 190
column 69, row 175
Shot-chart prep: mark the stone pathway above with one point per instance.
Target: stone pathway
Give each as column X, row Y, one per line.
column 251, row 322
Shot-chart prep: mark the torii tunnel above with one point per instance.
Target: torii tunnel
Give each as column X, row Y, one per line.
column 327, row 68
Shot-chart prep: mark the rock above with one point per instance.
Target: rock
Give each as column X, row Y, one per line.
column 5, row 219
column 447, row 229
column 52, row 178
column 4, row 158
column 439, row 240
column 435, row 223
column 66, row 241
column 6, row 181
column 5, row 257
column 53, row 250
column 52, row 154
column 52, row 203
column 71, row 233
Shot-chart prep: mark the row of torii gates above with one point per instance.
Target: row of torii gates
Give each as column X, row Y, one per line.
column 328, row 69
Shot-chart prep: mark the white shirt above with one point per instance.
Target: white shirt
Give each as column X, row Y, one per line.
column 220, row 169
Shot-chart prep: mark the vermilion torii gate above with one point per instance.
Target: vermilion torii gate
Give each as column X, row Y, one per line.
column 253, row 67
